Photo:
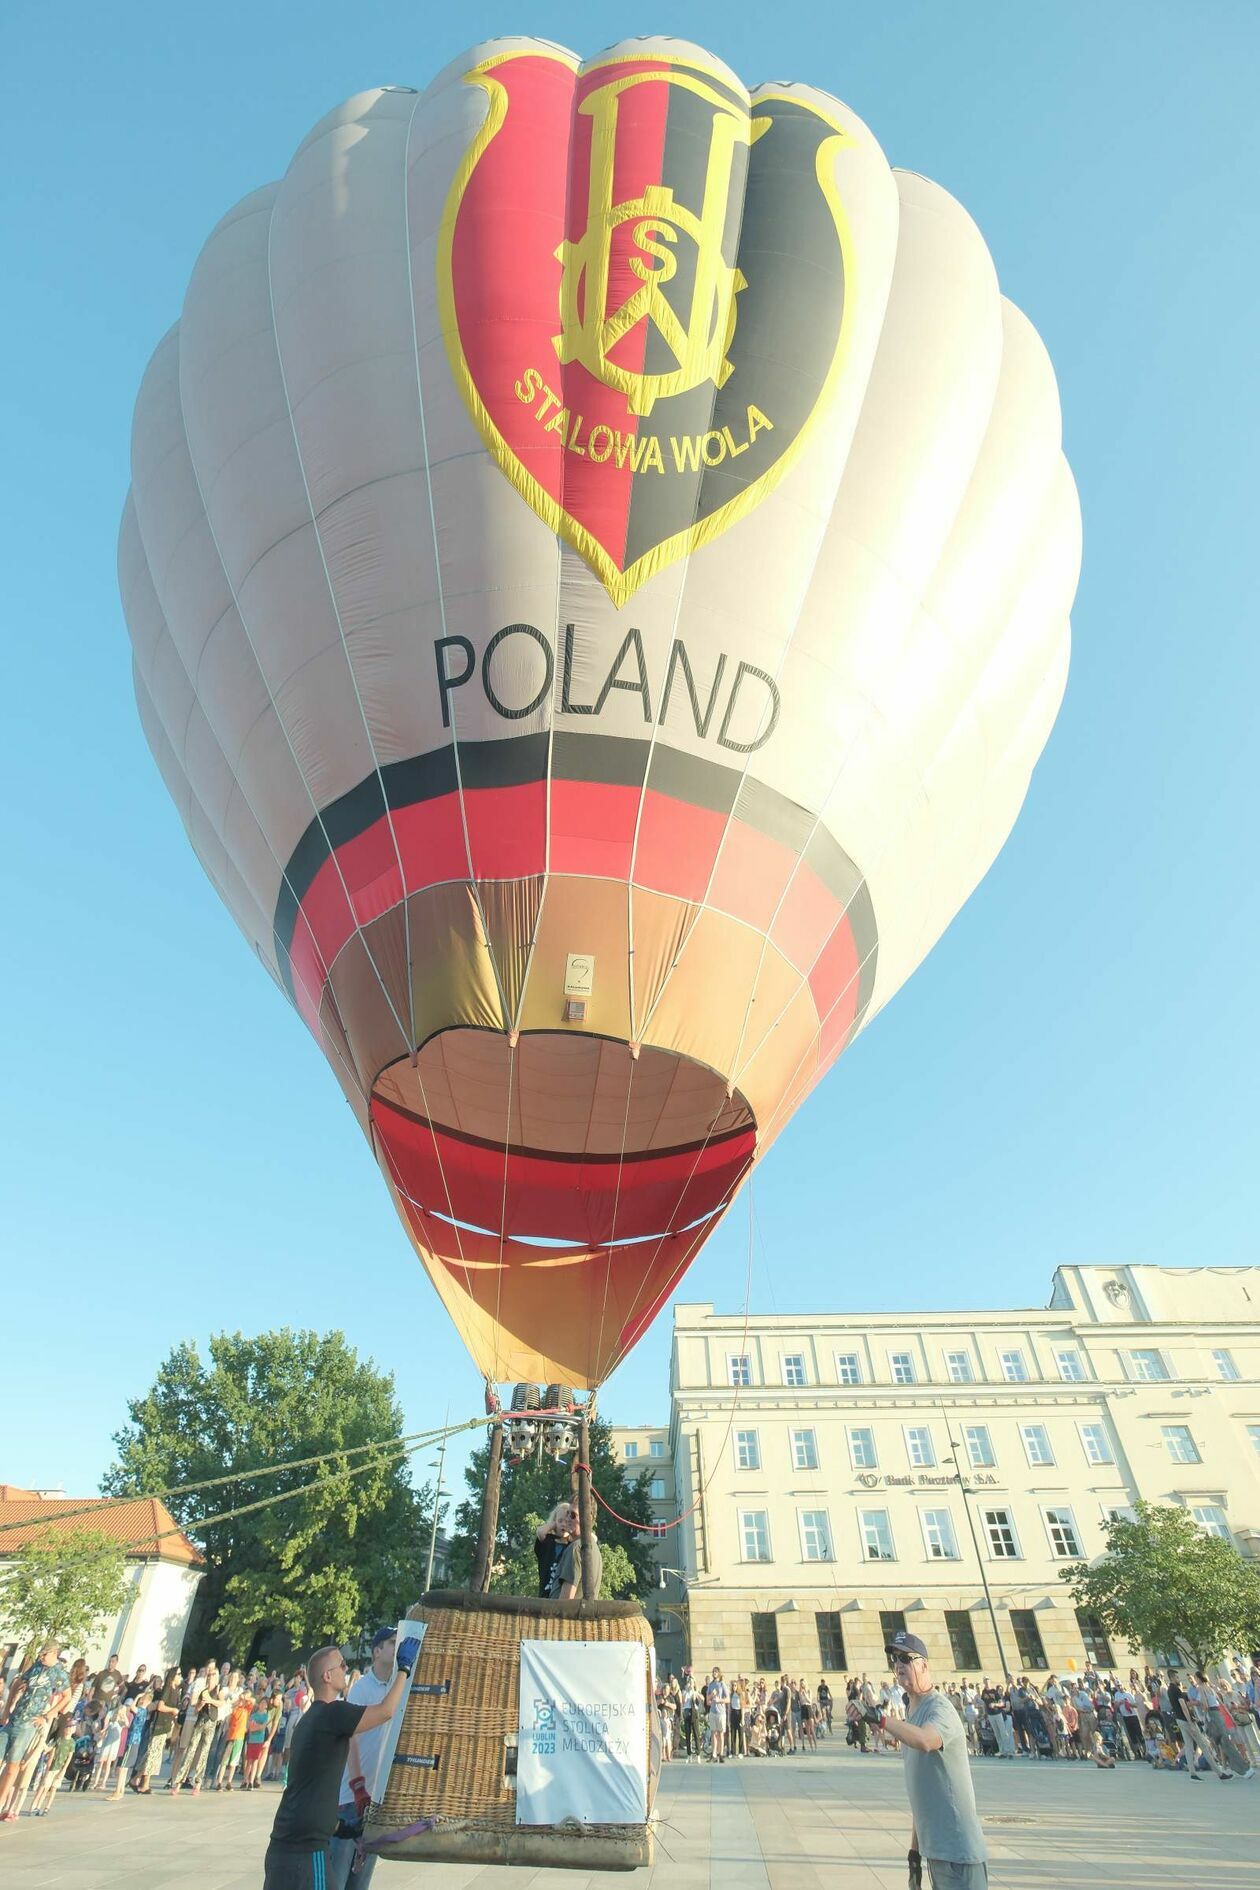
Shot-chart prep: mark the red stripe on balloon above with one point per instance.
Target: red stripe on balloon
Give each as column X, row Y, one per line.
column 534, row 1195
column 757, row 879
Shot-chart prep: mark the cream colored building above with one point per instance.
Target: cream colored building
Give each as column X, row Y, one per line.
column 645, row 1448
column 816, row 1465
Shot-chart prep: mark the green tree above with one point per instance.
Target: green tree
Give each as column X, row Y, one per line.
column 1165, row 1583
column 321, row 1566
column 530, row 1491
column 64, row 1587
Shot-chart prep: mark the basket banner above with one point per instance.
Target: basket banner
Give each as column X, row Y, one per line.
column 582, row 1751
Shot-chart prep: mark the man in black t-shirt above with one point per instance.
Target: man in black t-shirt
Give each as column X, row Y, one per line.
column 297, row 1856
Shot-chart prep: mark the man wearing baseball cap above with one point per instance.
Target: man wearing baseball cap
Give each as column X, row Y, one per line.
column 346, row 1867
column 944, row 1828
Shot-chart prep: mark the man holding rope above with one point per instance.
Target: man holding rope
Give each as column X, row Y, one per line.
column 301, row 1837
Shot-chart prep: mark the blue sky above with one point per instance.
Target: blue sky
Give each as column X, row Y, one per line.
column 1070, row 1076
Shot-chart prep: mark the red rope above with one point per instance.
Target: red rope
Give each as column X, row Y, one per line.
column 644, row 1529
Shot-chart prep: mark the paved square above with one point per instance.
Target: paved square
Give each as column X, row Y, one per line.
column 831, row 1822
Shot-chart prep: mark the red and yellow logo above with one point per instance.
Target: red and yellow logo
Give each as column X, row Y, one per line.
column 644, row 281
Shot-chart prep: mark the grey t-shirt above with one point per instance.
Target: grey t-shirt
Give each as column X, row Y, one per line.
column 939, row 1785
column 569, row 1568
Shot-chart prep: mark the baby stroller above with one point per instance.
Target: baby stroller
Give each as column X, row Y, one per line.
column 1109, row 1738
column 988, row 1738
column 1041, row 1735
column 774, row 1732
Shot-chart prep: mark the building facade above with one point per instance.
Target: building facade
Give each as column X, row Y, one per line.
column 838, row 1478
column 163, row 1569
column 645, row 1450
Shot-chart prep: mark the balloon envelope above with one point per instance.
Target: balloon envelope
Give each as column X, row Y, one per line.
column 598, row 566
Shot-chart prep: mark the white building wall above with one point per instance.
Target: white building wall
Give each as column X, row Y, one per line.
column 1199, row 1326
column 150, row 1625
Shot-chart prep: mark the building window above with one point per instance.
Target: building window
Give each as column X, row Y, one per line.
column 740, row 1366
column 1094, row 1639
column 754, row 1533
column 892, row 1622
column 1096, row 1443
column 815, row 1536
column 656, row 1488
column 1225, row 1366
column 938, row 1535
column 1014, row 1370
column 862, row 1447
column 1181, row 1446
column 877, row 1542
column 1028, row 1639
column 919, row 1446
column 830, row 1643
column 1036, row 1443
column 804, row 1450
column 958, row 1365
column 901, row 1365
column 1121, row 1512
column 848, row 1368
column 794, row 1368
column 747, row 1451
column 632, row 1450
column 1147, row 1366
column 979, row 1447
column 962, row 1640
column 999, row 1527
column 1065, row 1544
column 1253, row 1432
column 656, row 1448
column 1212, row 1520
column 1071, row 1369
column 765, row 1633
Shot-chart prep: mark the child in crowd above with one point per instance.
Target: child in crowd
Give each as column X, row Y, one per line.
column 234, row 1742
column 64, row 1739
column 257, row 1734
column 83, row 1759
column 130, row 1760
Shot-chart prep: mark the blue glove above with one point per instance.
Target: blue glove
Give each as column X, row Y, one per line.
column 408, row 1653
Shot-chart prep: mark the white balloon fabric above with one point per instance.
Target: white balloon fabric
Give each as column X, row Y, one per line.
column 598, row 564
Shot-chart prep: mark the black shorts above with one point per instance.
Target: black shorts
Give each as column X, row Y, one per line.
column 284, row 1869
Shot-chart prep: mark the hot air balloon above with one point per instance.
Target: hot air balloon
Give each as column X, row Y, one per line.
column 598, row 564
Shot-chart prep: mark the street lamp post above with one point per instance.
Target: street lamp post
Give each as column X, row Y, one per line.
column 437, row 1511
column 975, row 1540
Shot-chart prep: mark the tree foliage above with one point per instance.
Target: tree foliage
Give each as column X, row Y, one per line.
column 64, row 1587
column 530, row 1491
column 321, row 1566
column 1164, row 1583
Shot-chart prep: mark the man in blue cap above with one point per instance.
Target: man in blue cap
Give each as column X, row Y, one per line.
column 944, row 1829
column 346, row 1867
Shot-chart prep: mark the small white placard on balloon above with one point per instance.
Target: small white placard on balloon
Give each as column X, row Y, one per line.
column 579, row 975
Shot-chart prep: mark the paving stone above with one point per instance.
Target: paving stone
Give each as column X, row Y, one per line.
column 833, row 1821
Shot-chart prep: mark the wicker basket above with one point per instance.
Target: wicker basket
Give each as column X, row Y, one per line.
column 464, row 1809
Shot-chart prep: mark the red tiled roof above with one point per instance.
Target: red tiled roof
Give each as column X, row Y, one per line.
column 139, row 1524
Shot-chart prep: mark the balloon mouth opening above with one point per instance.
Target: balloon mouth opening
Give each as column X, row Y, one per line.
column 564, row 1140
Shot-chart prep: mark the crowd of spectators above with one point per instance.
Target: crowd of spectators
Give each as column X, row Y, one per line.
column 214, row 1727
column 1172, row 1721
column 710, row 1720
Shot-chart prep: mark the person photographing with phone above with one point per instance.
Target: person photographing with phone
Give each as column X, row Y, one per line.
column 944, row 1829
column 301, row 1837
